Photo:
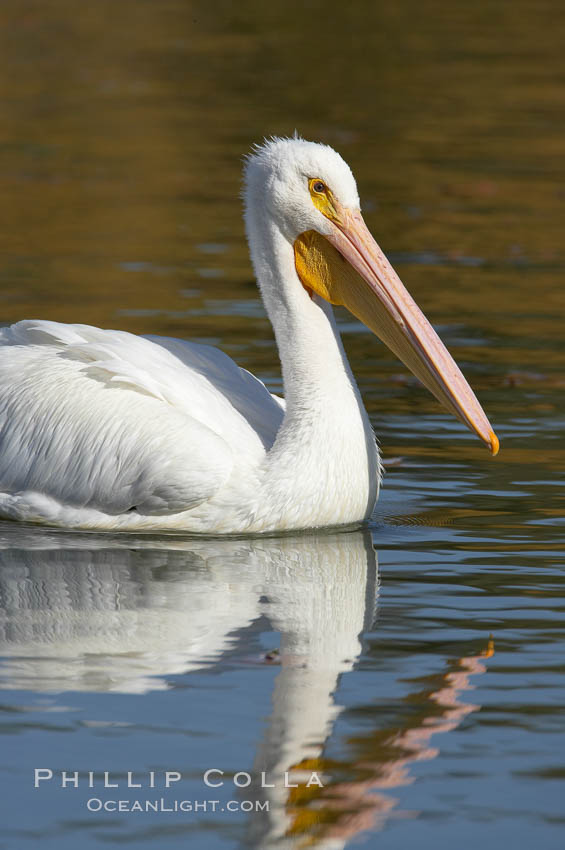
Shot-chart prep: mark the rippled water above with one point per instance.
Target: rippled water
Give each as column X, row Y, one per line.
column 428, row 690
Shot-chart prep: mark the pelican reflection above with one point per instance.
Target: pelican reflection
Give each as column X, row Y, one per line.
column 104, row 613
column 123, row 614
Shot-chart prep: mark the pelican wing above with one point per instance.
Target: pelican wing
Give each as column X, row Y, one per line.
column 248, row 395
column 108, row 421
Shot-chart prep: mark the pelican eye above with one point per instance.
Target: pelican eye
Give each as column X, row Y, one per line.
column 323, row 199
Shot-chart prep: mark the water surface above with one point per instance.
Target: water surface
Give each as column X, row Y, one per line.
column 416, row 665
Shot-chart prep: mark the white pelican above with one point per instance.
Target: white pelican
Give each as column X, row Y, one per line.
column 102, row 429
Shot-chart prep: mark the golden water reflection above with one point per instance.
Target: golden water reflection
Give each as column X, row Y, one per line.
column 344, row 809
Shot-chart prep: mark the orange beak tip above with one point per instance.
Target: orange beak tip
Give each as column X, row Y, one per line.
column 494, row 444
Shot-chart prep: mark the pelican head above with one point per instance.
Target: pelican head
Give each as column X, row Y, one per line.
column 306, row 193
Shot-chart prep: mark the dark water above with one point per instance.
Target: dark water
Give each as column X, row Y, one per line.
column 427, row 692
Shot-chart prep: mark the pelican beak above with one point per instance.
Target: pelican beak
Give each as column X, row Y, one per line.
column 348, row 267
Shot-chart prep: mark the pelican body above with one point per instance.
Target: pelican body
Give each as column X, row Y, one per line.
column 102, row 429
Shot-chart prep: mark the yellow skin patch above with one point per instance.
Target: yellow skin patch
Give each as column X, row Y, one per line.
column 323, row 270
column 320, row 266
column 314, row 257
